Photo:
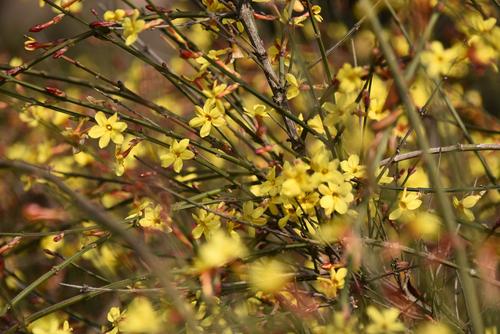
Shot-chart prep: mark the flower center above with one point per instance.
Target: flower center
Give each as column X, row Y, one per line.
column 109, row 127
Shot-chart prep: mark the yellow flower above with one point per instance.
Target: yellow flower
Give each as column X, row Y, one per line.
column 336, row 197
column 352, row 169
column 385, row 322
column 177, row 153
column 464, row 206
column 107, row 129
column 253, row 215
column 478, row 24
column 132, row 27
column 214, row 5
column 268, row 275
column 439, row 60
column 215, row 95
column 117, row 15
column 115, row 316
column 340, row 111
column 293, row 86
column 272, row 184
column 152, row 218
column 206, row 223
column 325, row 170
column 315, row 11
column 330, row 286
column 296, row 179
column 407, row 202
column 207, row 117
column 385, row 178
column 141, row 317
column 258, row 110
column 350, row 78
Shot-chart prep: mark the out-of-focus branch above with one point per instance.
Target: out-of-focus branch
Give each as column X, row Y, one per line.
column 445, row 208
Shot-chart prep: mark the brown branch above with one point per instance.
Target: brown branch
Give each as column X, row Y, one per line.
column 279, row 92
column 438, row 150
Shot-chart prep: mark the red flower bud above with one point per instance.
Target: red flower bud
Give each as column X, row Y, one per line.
column 42, row 26
column 55, row 91
column 60, row 53
column 100, row 24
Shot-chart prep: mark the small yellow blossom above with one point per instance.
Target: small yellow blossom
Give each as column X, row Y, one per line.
column 385, row 322
column 177, row 153
column 336, row 197
column 352, row 169
column 207, row 117
column 384, row 178
column 464, row 206
column 342, row 109
column 214, row 5
column 206, row 223
column 153, row 218
column 132, row 27
column 316, row 10
column 117, row 15
column 438, row 60
column 336, row 281
column 408, row 202
column 115, row 317
column 107, row 129
column 258, row 110
column 253, row 215
column 272, row 184
column 296, row 179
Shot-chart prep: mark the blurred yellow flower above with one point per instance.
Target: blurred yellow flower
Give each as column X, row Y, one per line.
column 141, row 317
column 424, row 225
column 50, row 324
column 153, row 218
column 350, row 78
column 268, row 275
column 439, row 60
column 434, row 328
column 218, row 251
column 383, row 322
